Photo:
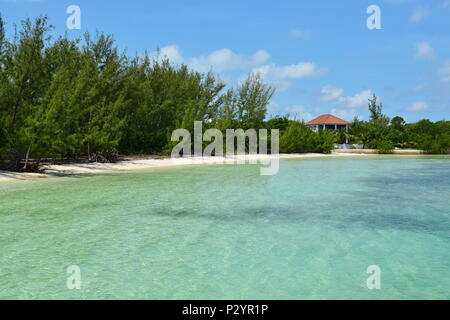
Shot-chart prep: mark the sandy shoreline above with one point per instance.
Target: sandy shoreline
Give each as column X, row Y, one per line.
column 138, row 164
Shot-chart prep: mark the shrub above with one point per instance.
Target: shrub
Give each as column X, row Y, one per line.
column 296, row 138
column 325, row 141
column 385, row 146
column 440, row 144
column 300, row 138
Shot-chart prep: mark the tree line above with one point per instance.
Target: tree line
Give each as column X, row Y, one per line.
column 69, row 98
column 385, row 134
column 379, row 132
column 66, row 98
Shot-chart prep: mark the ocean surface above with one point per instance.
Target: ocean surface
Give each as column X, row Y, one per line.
column 226, row 232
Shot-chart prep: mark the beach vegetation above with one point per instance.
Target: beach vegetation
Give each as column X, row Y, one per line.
column 385, row 134
column 83, row 98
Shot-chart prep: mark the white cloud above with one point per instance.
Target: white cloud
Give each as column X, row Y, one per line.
column 299, row 112
column 445, row 4
column 20, row 0
column 424, row 51
column 358, row 99
column 445, row 71
column 279, row 76
column 273, row 106
column 418, row 106
column 300, row 34
column 418, row 88
column 399, row 1
column 293, row 71
column 172, row 53
column 330, row 93
column 419, row 14
column 225, row 59
column 218, row 61
column 347, row 114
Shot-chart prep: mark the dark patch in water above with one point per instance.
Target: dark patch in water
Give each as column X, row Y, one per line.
column 363, row 207
column 298, row 215
column 431, row 175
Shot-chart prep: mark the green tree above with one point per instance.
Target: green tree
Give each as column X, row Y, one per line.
column 67, row 98
column 385, row 146
column 252, row 98
column 26, row 77
column 324, row 141
column 375, row 109
column 359, row 132
column 296, row 138
column 280, row 123
column 398, row 123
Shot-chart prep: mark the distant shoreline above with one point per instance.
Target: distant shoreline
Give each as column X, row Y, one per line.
column 410, row 152
column 139, row 163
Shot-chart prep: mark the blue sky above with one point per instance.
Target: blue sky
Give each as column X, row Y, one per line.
column 320, row 55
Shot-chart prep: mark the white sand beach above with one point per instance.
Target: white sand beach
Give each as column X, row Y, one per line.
column 138, row 164
column 128, row 164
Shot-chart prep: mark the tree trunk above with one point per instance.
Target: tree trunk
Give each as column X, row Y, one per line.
column 27, row 156
column 89, row 130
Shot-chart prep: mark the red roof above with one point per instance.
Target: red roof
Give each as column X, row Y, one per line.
column 327, row 119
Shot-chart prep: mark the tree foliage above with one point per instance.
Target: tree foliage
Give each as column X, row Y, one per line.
column 65, row 98
column 384, row 134
column 299, row 138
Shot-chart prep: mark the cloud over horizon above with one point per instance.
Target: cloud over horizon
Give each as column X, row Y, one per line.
column 218, row 60
column 445, row 71
column 418, row 106
column 424, row 51
column 329, row 94
column 279, row 76
column 419, row 14
column 226, row 60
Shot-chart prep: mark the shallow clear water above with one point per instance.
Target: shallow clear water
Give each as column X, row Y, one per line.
column 225, row 232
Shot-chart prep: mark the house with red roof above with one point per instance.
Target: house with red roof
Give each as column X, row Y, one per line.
column 327, row 121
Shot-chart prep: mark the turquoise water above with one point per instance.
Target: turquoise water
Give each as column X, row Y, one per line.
column 225, row 232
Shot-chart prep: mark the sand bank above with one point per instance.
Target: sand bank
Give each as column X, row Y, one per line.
column 137, row 164
column 129, row 164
